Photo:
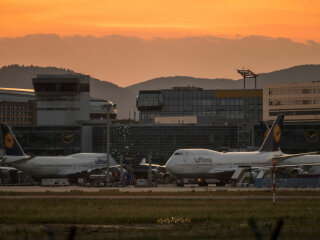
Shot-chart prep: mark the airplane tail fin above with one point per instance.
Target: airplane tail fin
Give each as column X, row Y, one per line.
column 143, row 161
column 264, row 127
column 11, row 145
column 271, row 142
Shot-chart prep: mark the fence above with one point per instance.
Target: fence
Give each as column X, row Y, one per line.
column 288, row 183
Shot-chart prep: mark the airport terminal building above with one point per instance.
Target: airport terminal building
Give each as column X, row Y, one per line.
column 192, row 105
column 66, row 119
column 299, row 102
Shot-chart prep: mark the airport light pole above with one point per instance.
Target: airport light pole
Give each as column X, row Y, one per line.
column 249, row 74
column 150, row 170
column 121, row 170
column 274, row 182
column 107, row 108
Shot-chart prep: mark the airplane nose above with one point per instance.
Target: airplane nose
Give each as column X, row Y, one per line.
column 169, row 165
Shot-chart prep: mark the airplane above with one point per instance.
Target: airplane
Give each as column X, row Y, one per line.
column 154, row 167
column 208, row 164
column 142, row 170
column 40, row 167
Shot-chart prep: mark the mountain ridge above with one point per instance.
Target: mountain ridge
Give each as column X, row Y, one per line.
column 292, row 74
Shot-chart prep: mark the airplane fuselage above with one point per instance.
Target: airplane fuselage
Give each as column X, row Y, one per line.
column 62, row 166
column 203, row 163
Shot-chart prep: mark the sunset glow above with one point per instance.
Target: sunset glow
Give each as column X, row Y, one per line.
column 295, row 19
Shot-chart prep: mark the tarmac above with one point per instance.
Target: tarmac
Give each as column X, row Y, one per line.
column 36, row 192
column 131, row 189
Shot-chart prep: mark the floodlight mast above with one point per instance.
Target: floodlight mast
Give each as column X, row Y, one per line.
column 249, row 74
column 107, row 108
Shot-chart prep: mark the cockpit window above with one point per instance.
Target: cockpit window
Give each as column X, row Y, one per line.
column 178, row 153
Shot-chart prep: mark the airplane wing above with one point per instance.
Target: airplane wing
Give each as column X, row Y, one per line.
column 288, row 156
column 281, row 165
column 103, row 168
column 296, row 165
column 97, row 170
column 23, row 159
column 285, row 166
column 222, row 173
column 217, row 171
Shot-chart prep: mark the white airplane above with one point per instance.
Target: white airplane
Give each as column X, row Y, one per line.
column 208, row 164
column 50, row 166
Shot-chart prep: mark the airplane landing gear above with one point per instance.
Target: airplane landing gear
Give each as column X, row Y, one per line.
column 220, row 184
column 180, row 182
column 202, row 183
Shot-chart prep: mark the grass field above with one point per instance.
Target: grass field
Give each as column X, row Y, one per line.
column 136, row 219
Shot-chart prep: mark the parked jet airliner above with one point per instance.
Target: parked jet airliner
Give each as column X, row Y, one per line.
column 208, row 164
column 50, row 166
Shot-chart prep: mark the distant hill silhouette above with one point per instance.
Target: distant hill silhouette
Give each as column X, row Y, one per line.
column 15, row 76
column 302, row 73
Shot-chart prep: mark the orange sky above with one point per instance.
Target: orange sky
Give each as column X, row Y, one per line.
column 295, row 19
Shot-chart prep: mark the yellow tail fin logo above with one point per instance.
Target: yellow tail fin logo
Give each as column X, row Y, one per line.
column 9, row 141
column 276, row 133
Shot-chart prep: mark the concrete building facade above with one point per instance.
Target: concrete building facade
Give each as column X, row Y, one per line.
column 299, row 102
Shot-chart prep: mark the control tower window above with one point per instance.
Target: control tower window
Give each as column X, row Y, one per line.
column 56, row 87
column 178, row 153
column 84, row 87
column 68, row 87
column 44, row 87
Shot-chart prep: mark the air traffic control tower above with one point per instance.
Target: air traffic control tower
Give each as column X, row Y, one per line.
column 62, row 99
